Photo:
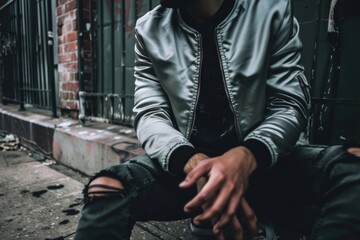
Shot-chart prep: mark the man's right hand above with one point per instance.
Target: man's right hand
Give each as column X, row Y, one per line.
column 220, row 203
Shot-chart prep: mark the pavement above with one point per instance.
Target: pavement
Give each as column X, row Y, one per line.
column 41, row 199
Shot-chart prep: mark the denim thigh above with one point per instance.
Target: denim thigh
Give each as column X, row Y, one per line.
column 149, row 194
column 314, row 190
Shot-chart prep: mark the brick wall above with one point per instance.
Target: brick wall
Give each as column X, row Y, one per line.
column 68, row 57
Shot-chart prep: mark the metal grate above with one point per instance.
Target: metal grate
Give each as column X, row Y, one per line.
column 27, row 53
column 107, row 63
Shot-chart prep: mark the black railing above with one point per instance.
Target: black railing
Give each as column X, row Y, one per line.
column 107, row 63
column 27, row 54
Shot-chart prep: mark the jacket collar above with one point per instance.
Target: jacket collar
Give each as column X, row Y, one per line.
column 239, row 4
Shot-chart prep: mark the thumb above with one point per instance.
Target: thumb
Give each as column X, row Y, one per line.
column 195, row 174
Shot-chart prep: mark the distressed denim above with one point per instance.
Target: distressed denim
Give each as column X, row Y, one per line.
column 314, row 191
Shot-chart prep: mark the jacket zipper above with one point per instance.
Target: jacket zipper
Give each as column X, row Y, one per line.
column 198, row 87
column 225, row 86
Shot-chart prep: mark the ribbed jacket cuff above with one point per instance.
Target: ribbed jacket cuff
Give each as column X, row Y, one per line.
column 178, row 159
column 260, row 152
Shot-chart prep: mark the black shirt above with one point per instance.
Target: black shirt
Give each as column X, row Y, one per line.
column 214, row 132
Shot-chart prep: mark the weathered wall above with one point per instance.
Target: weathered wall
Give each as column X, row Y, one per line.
column 68, row 57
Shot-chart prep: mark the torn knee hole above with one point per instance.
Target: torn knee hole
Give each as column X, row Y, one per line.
column 104, row 186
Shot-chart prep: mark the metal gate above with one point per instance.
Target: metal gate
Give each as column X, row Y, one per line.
column 27, row 53
column 107, row 63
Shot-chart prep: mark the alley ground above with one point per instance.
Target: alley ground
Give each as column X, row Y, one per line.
column 41, row 200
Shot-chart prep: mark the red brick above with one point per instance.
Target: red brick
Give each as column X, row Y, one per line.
column 71, row 47
column 72, row 86
column 72, row 15
column 71, row 5
column 59, row 10
column 68, row 95
column 63, row 87
column 60, row 20
column 64, row 95
column 73, row 67
column 71, row 37
column 73, row 105
column 59, row 31
column 68, row 57
column 74, row 24
column 61, row 49
column 69, row 104
column 62, row 58
column 61, row 40
column 69, row 26
column 74, row 76
column 62, row 103
column 64, row 76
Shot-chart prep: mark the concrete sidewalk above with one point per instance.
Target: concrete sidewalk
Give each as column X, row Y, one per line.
column 41, row 200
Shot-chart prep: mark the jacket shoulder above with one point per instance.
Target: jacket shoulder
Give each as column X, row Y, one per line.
column 153, row 18
column 269, row 5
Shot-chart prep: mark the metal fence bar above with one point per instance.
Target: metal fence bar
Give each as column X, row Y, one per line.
column 19, row 55
column 80, row 45
column 101, row 49
column 42, row 64
column 50, row 51
column 112, row 47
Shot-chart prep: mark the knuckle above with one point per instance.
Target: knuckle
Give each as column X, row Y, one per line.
column 252, row 217
column 230, row 213
column 202, row 197
column 214, row 211
column 237, row 228
column 231, row 187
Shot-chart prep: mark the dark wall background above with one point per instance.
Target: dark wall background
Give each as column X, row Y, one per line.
column 332, row 63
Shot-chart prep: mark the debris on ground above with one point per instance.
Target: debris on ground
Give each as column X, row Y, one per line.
column 37, row 156
column 49, row 162
column 9, row 142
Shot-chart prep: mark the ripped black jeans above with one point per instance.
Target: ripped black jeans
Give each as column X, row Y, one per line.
column 315, row 191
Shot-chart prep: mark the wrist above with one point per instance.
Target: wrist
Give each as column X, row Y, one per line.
column 194, row 161
column 251, row 156
column 248, row 155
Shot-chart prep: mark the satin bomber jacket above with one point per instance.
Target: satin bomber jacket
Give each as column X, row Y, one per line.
column 259, row 51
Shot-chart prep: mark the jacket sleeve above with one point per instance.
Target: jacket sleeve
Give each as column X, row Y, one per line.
column 154, row 123
column 288, row 98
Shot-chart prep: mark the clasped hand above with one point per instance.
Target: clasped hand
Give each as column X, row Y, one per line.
column 221, row 183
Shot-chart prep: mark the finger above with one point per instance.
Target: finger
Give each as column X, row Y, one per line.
column 355, row 151
column 221, row 201
column 233, row 205
column 201, row 170
column 250, row 217
column 233, row 231
column 236, row 229
column 201, row 183
column 207, row 193
column 220, row 236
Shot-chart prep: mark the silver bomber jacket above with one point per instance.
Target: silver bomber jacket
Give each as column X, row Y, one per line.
column 259, row 48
